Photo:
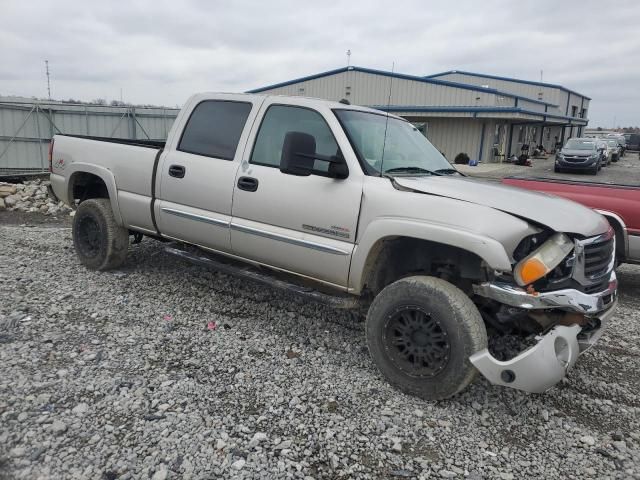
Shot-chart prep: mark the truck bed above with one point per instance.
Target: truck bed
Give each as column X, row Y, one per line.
column 623, row 200
column 620, row 203
column 157, row 144
column 131, row 162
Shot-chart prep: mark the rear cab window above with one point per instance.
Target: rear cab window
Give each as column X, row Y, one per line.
column 214, row 128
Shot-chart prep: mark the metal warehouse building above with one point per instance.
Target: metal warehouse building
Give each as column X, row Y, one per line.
column 487, row 117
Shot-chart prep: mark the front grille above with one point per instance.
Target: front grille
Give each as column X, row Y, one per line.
column 597, row 257
column 576, row 159
column 596, row 287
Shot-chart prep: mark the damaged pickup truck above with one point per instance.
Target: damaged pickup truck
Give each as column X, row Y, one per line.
column 298, row 192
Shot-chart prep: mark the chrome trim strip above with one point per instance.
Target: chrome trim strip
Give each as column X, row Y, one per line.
column 567, row 299
column 579, row 265
column 293, row 241
column 198, row 218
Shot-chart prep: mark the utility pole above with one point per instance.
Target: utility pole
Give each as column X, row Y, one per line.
column 541, row 72
column 46, row 63
column 348, row 58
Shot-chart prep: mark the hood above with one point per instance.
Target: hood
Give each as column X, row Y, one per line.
column 577, row 153
column 553, row 212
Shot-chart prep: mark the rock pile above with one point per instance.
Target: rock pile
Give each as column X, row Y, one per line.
column 30, row 196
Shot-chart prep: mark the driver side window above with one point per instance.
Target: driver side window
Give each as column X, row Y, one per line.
column 282, row 119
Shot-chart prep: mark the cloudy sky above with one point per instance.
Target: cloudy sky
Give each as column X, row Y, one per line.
column 162, row 51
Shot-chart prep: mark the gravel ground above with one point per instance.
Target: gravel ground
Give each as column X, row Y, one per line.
column 165, row 370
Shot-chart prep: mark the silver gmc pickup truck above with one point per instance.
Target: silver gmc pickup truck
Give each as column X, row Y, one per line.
column 355, row 207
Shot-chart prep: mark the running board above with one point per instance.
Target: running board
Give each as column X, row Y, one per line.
column 336, row 301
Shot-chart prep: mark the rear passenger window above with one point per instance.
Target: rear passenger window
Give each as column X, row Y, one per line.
column 214, row 129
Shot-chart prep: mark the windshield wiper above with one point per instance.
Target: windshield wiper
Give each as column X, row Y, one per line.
column 411, row 170
column 448, row 171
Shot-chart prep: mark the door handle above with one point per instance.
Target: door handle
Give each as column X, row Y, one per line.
column 177, row 171
column 249, row 184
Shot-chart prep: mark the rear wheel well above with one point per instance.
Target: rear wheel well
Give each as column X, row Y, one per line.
column 393, row 258
column 83, row 186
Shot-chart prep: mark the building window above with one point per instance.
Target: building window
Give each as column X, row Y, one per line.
column 422, row 127
column 521, row 134
column 583, row 113
column 574, row 111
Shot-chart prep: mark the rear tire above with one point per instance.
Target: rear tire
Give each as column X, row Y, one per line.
column 100, row 243
column 421, row 332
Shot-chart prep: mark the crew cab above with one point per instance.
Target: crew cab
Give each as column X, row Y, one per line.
column 358, row 204
column 620, row 205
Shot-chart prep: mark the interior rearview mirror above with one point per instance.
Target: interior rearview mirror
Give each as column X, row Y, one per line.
column 299, row 155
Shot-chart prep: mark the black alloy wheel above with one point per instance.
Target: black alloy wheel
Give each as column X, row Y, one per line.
column 416, row 342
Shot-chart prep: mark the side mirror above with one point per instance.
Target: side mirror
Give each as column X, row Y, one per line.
column 298, row 152
column 299, row 155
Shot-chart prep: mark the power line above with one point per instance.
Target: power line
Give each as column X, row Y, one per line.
column 46, row 63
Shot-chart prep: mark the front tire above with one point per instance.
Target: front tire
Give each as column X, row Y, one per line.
column 421, row 332
column 100, row 243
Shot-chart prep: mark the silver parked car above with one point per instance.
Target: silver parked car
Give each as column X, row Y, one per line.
column 614, row 149
column 605, row 152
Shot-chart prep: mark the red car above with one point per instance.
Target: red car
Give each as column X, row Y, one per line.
column 620, row 204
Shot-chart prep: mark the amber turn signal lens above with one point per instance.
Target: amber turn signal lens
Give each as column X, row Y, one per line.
column 532, row 270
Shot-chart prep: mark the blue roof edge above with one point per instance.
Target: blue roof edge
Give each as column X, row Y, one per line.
column 398, row 75
column 450, row 109
column 508, row 79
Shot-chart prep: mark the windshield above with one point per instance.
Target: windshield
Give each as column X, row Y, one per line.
column 612, row 143
column 406, row 150
column 576, row 144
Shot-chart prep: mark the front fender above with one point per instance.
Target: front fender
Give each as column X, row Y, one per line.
column 105, row 175
column 489, row 249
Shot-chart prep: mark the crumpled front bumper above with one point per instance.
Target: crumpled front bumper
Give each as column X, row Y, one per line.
column 543, row 365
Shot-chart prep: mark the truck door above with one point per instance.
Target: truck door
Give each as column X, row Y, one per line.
column 302, row 224
column 198, row 171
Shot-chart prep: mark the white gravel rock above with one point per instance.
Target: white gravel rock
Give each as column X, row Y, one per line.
column 95, row 382
column 58, row 427
column 80, row 409
column 588, row 440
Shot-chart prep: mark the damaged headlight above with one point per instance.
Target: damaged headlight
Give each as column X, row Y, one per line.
column 543, row 260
